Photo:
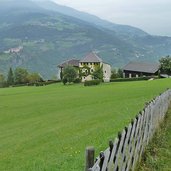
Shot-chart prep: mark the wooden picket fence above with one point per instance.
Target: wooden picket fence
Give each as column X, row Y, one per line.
column 124, row 153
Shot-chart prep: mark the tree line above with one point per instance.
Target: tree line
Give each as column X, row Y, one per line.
column 69, row 74
column 19, row 76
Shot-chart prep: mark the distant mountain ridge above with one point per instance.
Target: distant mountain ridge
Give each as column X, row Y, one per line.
column 49, row 34
column 120, row 29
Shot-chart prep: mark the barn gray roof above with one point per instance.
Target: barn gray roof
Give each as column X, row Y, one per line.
column 142, row 67
column 91, row 57
column 72, row 62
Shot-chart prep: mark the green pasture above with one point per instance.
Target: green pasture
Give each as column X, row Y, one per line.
column 48, row 128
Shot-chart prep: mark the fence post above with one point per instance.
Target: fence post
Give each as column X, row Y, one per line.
column 89, row 154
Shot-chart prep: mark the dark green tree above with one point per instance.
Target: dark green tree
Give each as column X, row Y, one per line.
column 120, row 73
column 2, row 80
column 21, row 76
column 114, row 74
column 165, row 65
column 64, row 80
column 61, row 75
column 34, row 77
column 98, row 73
column 10, row 77
column 69, row 74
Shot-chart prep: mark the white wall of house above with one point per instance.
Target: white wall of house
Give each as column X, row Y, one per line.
column 106, row 72
column 59, row 73
column 88, row 78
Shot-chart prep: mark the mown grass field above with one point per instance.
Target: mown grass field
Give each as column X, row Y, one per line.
column 48, row 128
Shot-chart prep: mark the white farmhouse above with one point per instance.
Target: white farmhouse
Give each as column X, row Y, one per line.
column 88, row 65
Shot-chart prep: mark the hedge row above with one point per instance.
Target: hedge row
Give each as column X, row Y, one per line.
column 44, row 83
column 77, row 80
column 3, row 85
column 92, row 82
column 132, row 79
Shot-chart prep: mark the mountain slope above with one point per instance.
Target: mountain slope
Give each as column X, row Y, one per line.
column 40, row 38
column 119, row 29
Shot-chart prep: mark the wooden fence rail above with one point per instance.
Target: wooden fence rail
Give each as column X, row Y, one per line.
column 124, row 153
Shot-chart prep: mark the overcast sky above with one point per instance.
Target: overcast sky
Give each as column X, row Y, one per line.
column 153, row 16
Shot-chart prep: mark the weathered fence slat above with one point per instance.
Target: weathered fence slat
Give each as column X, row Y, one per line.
column 134, row 154
column 117, row 159
column 130, row 148
column 113, row 154
column 125, row 149
column 96, row 166
column 106, row 158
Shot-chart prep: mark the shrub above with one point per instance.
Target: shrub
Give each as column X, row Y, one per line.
column 69, row 74
column 3, row 84
column 131, row 79
column 165, row 65
column 19, row 85
column 51, row 82
column 92, row 82
column 39, row 84
column 98, row 73
column 34, row 77
column 20, row 75
column 77, row 80
column 43, row 83
column 64, row 80
column 10, row 77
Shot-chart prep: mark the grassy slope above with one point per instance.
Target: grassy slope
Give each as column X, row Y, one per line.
column 158, row 154
column 48, row 128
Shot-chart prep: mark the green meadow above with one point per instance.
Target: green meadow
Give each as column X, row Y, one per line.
column 48, row 128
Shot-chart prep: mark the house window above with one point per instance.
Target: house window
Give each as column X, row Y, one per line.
column 87, row 63
column 105, row 71
column 91, row 70
column 94, row 63
column 90, row 63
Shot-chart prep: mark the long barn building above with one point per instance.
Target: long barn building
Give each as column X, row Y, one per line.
column 139, row 69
